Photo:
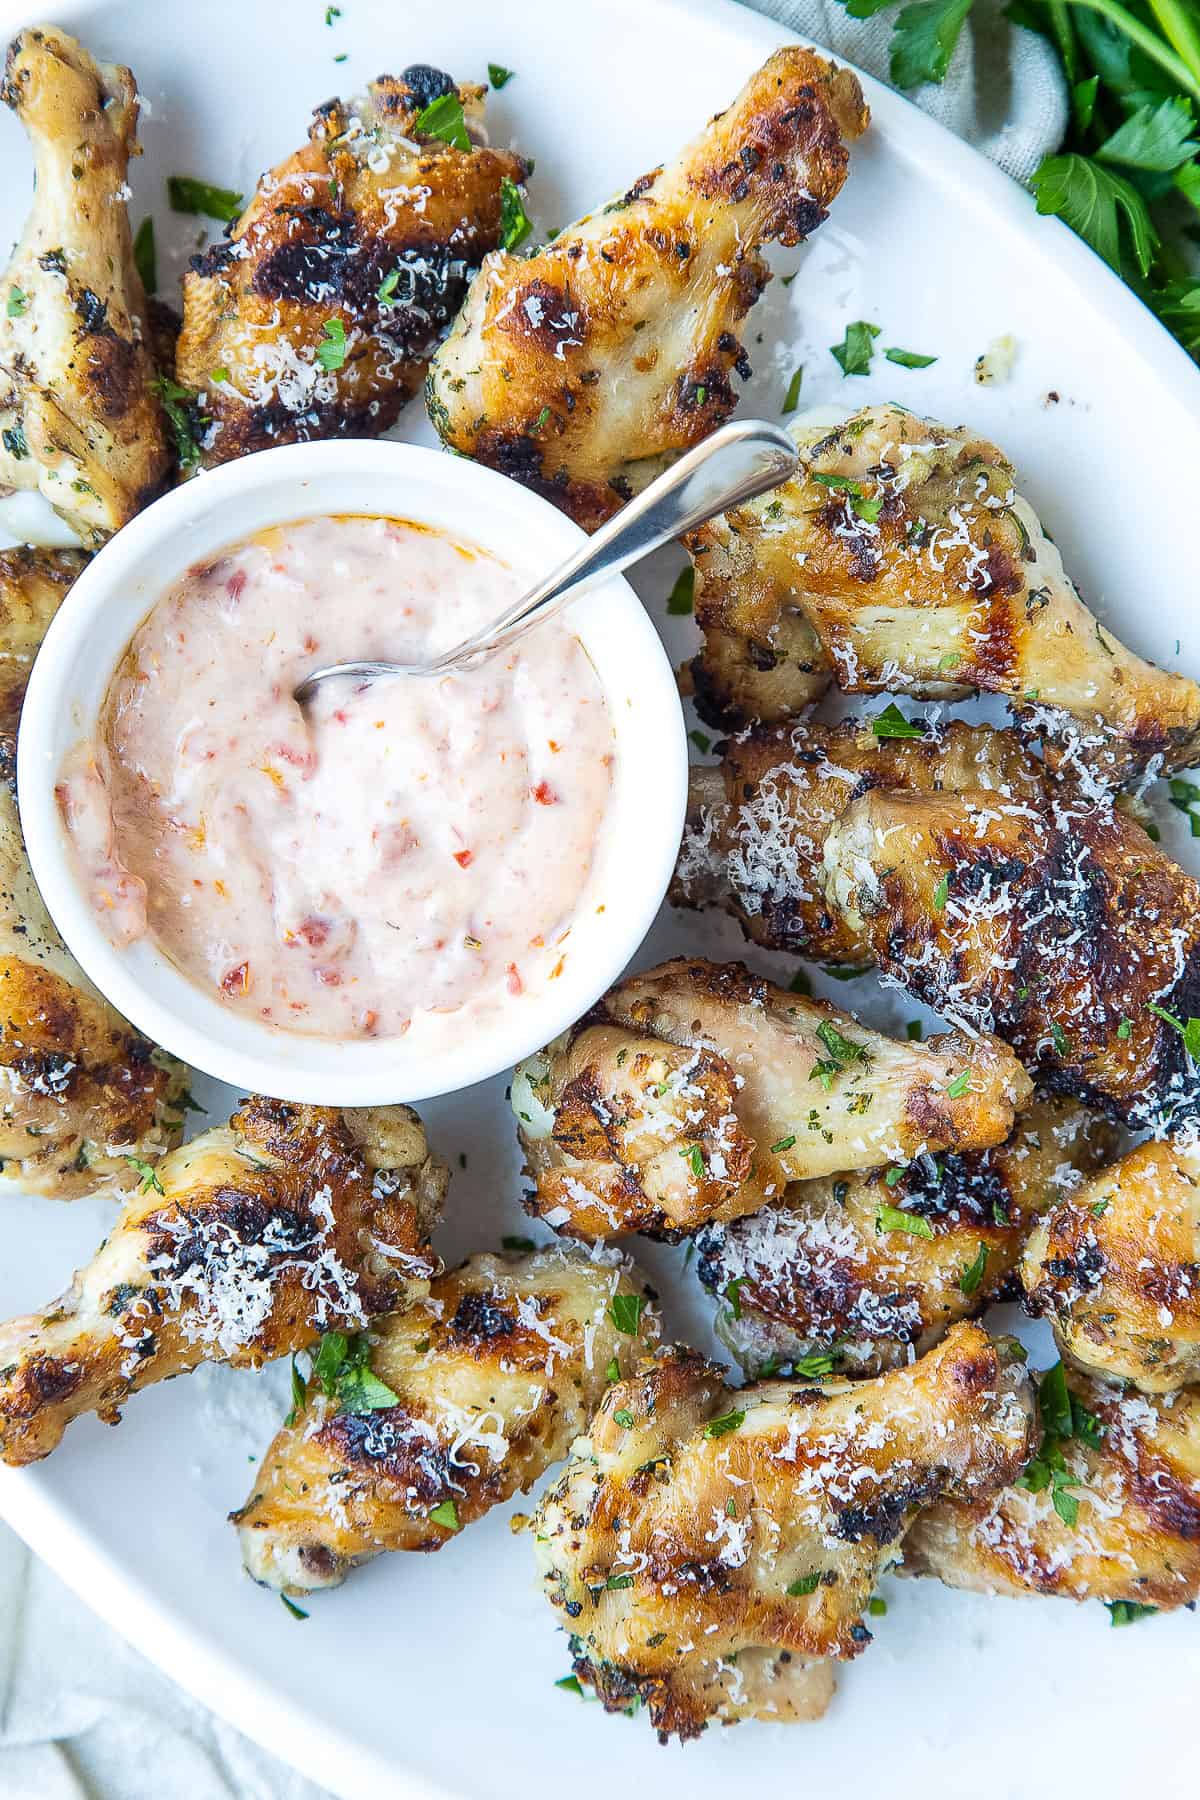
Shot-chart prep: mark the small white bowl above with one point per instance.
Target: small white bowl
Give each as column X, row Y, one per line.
column 126, row 579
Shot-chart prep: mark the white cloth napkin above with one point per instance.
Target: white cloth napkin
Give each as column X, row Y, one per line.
column 84, row 1717
column 1004, row 91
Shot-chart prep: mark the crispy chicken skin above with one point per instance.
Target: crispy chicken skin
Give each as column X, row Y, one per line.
column 79, row 419
column 701, row 1524
column 1058, row 929
column 495, row 1374
column 834, row 1270
column 697, row 1091
column 82, row 1091
column 1136, row 1535
column 583, row 369
column 905, row 546
column 1115, row 1267
column 757, row 823
column 244, row 1245
column 372, row 227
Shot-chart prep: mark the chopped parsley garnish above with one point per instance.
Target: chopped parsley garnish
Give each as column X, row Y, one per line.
column 515, row 225
column 297, row 1612
column 1063, row 1417
column 15, row 442
column 570, row 1685
column 188, row 196
column 693, row 1155
column 791, row 399
column 18, row 300
column 877, row 1606
column 1125, row 1029
column 613, row 1371
column 682, row 596
column 800, row 984
column 385, row 292
column 331, row 351
column 819, row 1363
column 624, row 1418
column 332, row 13
column 499, row 76
column 175, row 403
column 958, row 1087
column 909, row 359
column 853, row 354
column 446, row 1513
column 850, row 972
column 702, row 742
column 1185, row 795
column 1128, row 1612
column 517, row 1243
column 150, row 1181
column 218, row 375
column 891, row 723
column 727, row 1422
column 1059, row 1038
column 342, row 1365
column 941, row 894
column 625, row 1311
column 536, row 427
column 913, row 1031
column 443, row 119
column 807, row 1584
column 842, row 1050
column 299, row 1395
column 619, row 1581
column 733, row 1293
column 972, row 1275
column 784, row 1143
column 862, row 504
column 1099, row 1209
column 894, row 1218
column 1189, row 1032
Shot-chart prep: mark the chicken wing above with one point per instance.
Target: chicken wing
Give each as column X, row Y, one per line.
column 1115, row 1267
column 86, row 1099
column 1064, row 930
column 905, row 546
column 702, row 1529
column 244, row 1245
column 472, row 1394
column 79, row 417
column 583, row 369
column 1116, row 1519
column 757, row 823
column 859, row 1271
column 316, row 316
column 697, row 1091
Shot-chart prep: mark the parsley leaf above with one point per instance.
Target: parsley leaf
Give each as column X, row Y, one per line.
column 957, row 1088
column 972, row 1275
column 727, row 1422
column 342, row 1365
column 515, row 226
column 331, row 351
column 891, row 723
column 792, row 398
column 150, row 1181
column 624, row 1418
column 297, row 1612
column 682, row 596
column 446, row 1513
column 853, row 354
column 176, row 402
column 1153, row 137
column 499, row 76
column 909, row 359
column 1128, row 1612
column 443, row 119
column 1189, row 1032
column 145, row 260
column 894, row 1218
column 1094, row 203
column 625, row 1311
column 18, row 301
column 188, row 196
column 924, row 40
column 807, row 1584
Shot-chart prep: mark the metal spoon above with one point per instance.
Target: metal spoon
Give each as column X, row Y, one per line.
column 734, row 464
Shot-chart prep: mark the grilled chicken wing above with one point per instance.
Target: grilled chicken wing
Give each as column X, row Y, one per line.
column 583, row 369
column 757, row 823
column 1121, row 1523
column 79, row 418
column 906, row 548
column 697, row 1091
column 1115, row 1267
column 859, row 1271
column 492, row 1377
column 243, row 1245
column 702, row 1524
column 316, row 317
column 1065, row 930
column 85, row 1097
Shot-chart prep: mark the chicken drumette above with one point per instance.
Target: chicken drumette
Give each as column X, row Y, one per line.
column 906, row 550
column 707, row 1546
column 1109, row 1509
column 1115, row 1267
column 79, row 418
column 244, row 1245
column 583, row 369
column 451, row 1407
column 316, row 316
column 697, row 1091
column 859, row 1271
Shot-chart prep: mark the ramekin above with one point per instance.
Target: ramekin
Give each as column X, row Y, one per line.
column 634, row 856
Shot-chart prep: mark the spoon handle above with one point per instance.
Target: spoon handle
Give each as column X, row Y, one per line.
column 735, row 463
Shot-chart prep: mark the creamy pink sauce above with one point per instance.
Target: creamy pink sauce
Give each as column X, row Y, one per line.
column 407, row 847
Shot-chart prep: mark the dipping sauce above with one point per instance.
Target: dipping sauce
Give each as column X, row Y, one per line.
column 396, row 849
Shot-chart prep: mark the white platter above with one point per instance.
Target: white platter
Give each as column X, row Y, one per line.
column 434, row 1675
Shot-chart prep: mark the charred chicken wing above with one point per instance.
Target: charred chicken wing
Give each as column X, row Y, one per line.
column 79, row 418
column 582, row 370
column 707, row 1545
column 697, row 1091
column 244, row 1245
column 466, row 1397
column 317, row 315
